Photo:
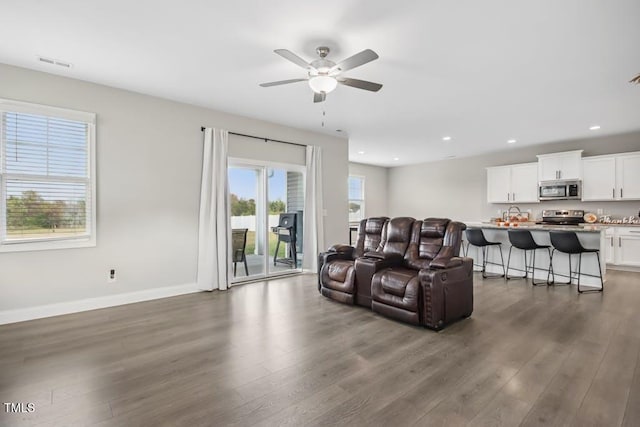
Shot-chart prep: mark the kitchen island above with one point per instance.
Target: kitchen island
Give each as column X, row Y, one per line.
column 592, row 237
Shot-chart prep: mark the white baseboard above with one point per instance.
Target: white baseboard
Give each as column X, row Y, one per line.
column 630, row 269
column 38, row 312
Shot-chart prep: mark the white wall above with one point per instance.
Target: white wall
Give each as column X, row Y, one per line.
column 241, row 147
column 457, row 188
column 149, row 157
column 375, row 188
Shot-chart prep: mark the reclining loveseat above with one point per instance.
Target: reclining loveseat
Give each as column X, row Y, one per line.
column 413, row 274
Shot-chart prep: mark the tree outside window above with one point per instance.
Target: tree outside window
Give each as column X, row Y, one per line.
column 47, row 179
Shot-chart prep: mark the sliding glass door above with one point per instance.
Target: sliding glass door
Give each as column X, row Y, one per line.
column 246, row 184
column 267, row 213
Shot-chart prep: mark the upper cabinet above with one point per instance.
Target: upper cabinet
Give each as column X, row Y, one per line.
column 612, row 177
column 566, row 165
column 628, row 176
column 524, row 183
column 499, row 184
column 599, row 178
column 513, row 183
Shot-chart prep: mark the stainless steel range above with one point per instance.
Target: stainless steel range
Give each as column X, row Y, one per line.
column 562, row 217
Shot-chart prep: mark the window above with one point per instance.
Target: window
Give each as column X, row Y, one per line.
column 356, row 198
column 47, row 184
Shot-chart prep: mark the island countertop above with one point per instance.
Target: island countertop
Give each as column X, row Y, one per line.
column 585, row 228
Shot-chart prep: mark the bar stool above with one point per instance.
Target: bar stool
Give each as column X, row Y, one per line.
column 568, row 243
column 523, row 240
column 475, row 237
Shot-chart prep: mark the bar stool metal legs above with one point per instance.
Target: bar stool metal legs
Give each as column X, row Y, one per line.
column 567, row 242
column 531, row 267
column 570, row 275
column 485, row 253
column 523, row 240
column 476, row 238
column 599, row 271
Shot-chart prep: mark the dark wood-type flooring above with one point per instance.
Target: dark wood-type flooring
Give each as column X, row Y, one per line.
column 278, row 353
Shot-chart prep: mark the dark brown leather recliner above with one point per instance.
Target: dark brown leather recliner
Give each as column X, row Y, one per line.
column 337, row 278
column 431, row 286
column 395, row 240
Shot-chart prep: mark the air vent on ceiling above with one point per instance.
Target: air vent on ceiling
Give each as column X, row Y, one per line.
column 54, row 62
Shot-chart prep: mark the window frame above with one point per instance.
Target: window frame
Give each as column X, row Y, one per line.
column 50, row 243
column 361, row 201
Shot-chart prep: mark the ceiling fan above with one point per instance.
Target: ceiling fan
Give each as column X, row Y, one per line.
column 324, row 75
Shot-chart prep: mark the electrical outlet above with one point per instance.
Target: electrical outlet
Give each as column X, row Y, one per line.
column 111, row 276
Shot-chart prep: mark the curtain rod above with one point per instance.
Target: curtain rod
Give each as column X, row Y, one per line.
column 263, row 139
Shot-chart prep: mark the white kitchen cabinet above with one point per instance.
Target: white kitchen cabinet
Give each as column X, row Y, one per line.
column 524, row 183
column 610, row 252
column 611, row 177
column 513, row 183
column 628, row 176
column 499, row 184
column 566, row 165
column 599, row 178
column 627, row 252
column 622, row 246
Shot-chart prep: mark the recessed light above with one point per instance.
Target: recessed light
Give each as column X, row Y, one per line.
column 396, row 158
column 511, row 141
column 360, row 152
column 594, row 127
column 446, row 138
column 338, row 130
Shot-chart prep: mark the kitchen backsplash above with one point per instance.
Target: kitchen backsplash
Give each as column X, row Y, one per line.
column 613, row 209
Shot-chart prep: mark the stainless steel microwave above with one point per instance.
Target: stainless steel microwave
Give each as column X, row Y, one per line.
column 560, row 190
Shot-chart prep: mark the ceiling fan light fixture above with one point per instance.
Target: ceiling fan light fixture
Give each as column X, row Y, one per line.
column 320, row 84
column 323, row 75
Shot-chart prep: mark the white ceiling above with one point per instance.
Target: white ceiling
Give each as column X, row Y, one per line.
column 481, row 72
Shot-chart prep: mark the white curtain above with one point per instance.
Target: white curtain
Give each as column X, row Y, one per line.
column 214, row 242
column 313, row 211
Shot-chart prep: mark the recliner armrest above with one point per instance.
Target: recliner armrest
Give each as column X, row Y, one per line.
column 459, row 265
column 331, row 256
column 341, row 248
column 447, row 293
column 443, row 263
column 445, row 259
column 393, row 258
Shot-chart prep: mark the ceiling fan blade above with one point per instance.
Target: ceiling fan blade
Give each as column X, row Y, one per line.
column 360, row 84
column 356, row 60
column 282, row 82
column 319, row 97
column 288, row 55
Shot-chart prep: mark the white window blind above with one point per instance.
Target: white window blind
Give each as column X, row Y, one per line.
column 46, row 175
